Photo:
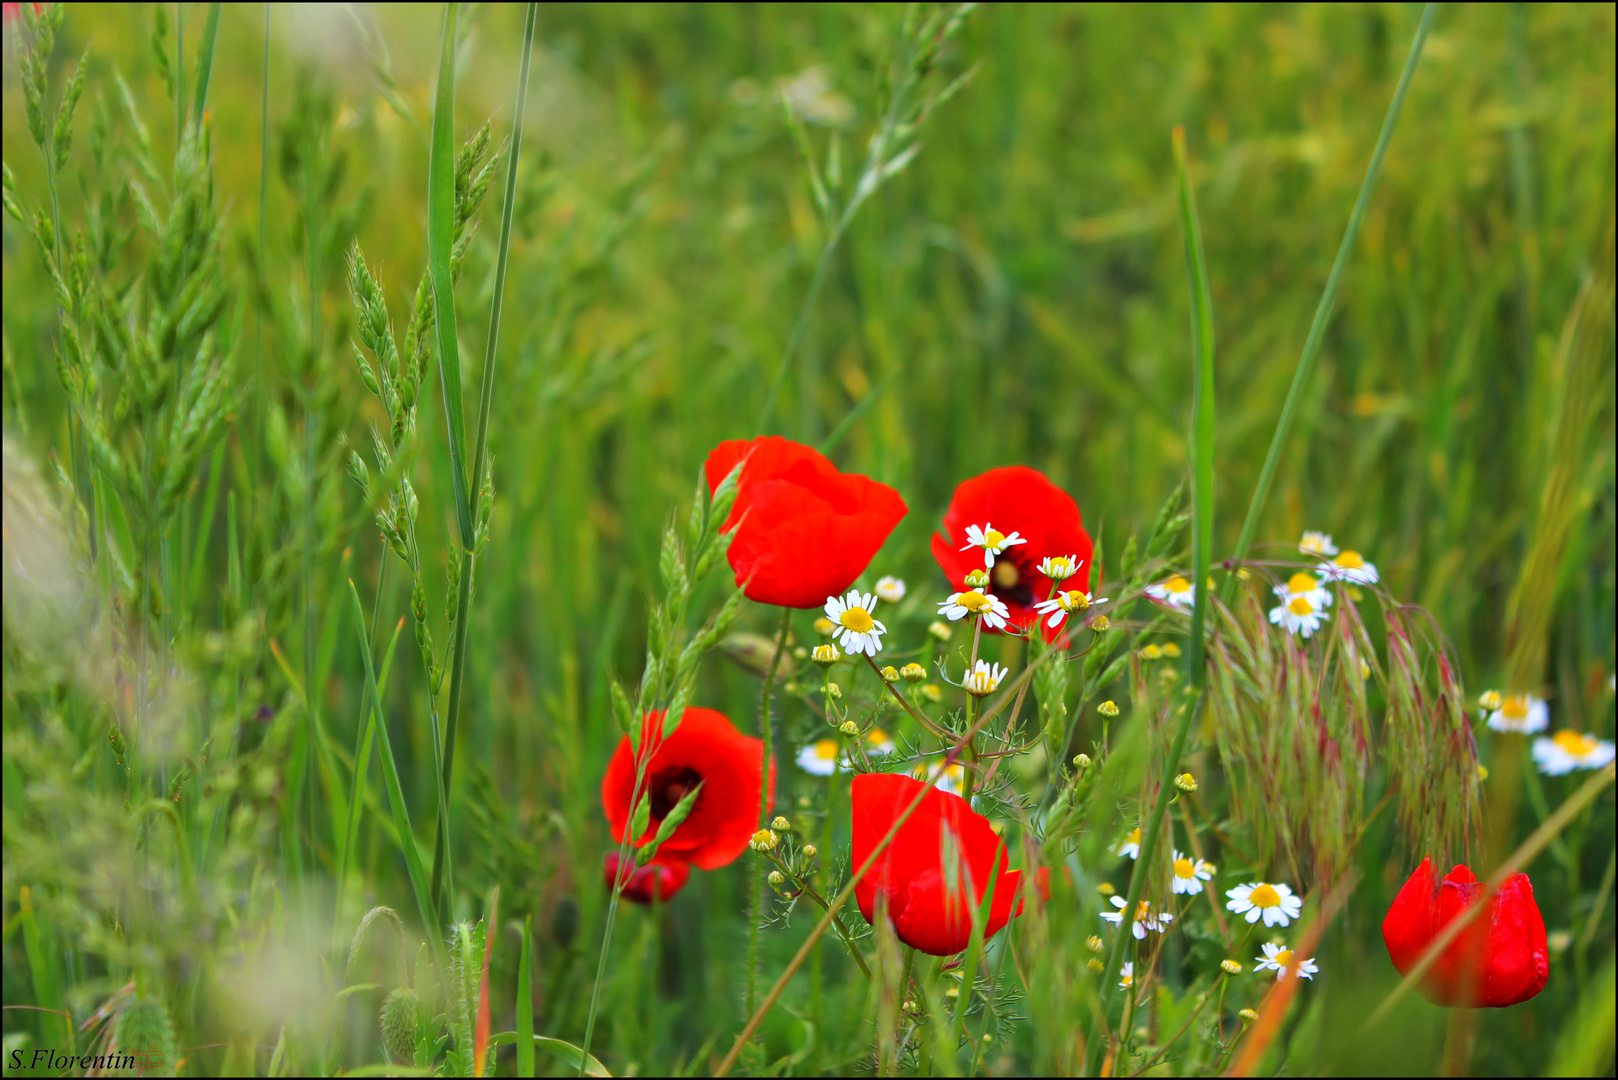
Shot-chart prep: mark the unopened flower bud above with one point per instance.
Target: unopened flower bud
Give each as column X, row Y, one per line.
column 834, row 691
column 1095, row 944
column 825, row 627
column 1491, row 700
column 849, row 728
column 987, row 1038
column 781, row 824
column 1105, row 888
column 1101, row 624
column 1151, row 652
column 977, row 579
column 890, row 674
column 939, row 630
column 1483, row 773
column 810, row 851
column 800, row 653
column 912, row 673
column 1108, row 709
column 826, row 655
column 933, row 692
column 1249, row 1015
column 777, row 879
column 1186, row 782
column 1231, row 967
column 1171, row 649
column 763, row 840
column 1081, row 761
column 1097, row 966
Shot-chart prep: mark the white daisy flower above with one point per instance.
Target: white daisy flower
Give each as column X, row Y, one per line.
column 857, row 632
column 1145, row 918
column 1276, row 958
column 983, row 679
column 1190, row 874
column 1351, row 566
column 1060, row 567
column 1298, row 616
column 1130, row 848
column 951, row 780
column 878, row 742
column 890, row 589
column 1522, row 713
column 1176, row 591
column 1307, row 586
column 989, row 607
column 1063, row 604
column 1126, row 976
column 821, row 758
column 1568, row 750
column 1317, row 543
column 991, row 540
column 1273, row 903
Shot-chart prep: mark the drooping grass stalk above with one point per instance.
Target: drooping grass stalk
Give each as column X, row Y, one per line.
column 205, row 62
column 469, row 508
column 1328, row 300
column 1202, row 510
column 756, row 899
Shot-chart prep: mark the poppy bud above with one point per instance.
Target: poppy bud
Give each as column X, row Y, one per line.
column 1108, row 709
column 912, row 673
column 399, row 1025
column 1501, row 957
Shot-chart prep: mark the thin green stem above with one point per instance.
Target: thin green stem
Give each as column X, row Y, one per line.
column 210, row 31
column 756, row 915
column 1328, row 299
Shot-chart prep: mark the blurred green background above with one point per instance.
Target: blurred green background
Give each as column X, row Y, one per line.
column 1016, row 295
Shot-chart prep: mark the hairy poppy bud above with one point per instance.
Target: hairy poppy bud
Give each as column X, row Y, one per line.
column 1500, row 959
column 399, row 1025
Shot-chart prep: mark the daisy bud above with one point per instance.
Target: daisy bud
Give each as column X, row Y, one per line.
column 987, row 1038
column 932, row 692
column 1171, row 649
column 849, row 728
column 777, row 879
column 1105, row 888
column 1231, row 967
column 800, row 653
column 1095, row 944
column 939, row 630
column 1483, row 774
column 1101, row 624
column 1242, row 573
column 890, row 674
column 912, row 673
column 763, row 840
column 977, row 579
column 826, row 655
column 1097, row 966
column 1108, row 709
column 1081, row 761
column 909, row 1006
column 1249, row 1015
column 781, row 824
column 810, row 851
column 1490, row 700
column 834, row 691
column 1186, row 782
column 1151, row 652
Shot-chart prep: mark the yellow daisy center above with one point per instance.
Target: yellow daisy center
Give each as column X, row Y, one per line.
column 1265, row 896
column 1184, row 869
column 1575, row 743
column 857, row 619
column 1302, row 583
column 1059, row 563
column 877, row 736
column 1515, row 708
column 1134, row 837
column 1349, row 560
column 1177, row 584
column 975, row 602
column 993, row 538
column 826, row 749
column 1126, row 979
column 1283, row 958
column 1299, row 605
column 1075, row 601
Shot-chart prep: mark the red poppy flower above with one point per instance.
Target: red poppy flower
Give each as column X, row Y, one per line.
column 1022, row 500
column 928, row 912
column 644, row 884
column 705, row 749
column 1499, row 960
column 809, row 530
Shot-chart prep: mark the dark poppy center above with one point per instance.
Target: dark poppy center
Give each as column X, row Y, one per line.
column 1013, row 580
column 670, row 786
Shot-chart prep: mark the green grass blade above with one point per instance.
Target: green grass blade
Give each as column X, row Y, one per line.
column 440, row 239
column 362, row 762
column 210, row 31
column 525, row 993
column 1328, row 300
column 1202, row 509
column 396, row 801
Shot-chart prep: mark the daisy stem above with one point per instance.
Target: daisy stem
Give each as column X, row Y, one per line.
column 808, row 890
column 751, row 996
column 915, row 713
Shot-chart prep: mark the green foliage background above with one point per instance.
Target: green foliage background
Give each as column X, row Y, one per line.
column 1017, row 294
